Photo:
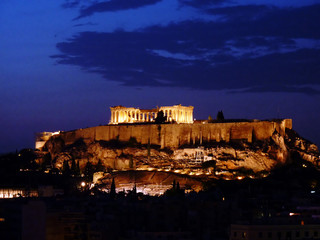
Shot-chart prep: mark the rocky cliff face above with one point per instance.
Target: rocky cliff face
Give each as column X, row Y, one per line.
column 256, row 157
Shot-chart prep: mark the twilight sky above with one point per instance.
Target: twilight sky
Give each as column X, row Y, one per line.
column 63, row 63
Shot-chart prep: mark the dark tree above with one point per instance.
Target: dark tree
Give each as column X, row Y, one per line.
column 175, row 191
column 88, row 171
column 178, row 186
column 73, row 167
column 131, row 165
column 220, row 116
column 160, row 118
column 27, row 159
column 78, row 173
column 66, row 168
column 113, row 189
column 46, row 162
column 100, row 167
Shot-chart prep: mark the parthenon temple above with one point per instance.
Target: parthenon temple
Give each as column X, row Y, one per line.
column 175, row 113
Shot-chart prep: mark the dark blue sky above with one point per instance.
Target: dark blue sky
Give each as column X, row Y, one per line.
column 63, row 63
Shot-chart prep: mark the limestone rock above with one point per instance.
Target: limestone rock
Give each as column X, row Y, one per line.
column 257, row 156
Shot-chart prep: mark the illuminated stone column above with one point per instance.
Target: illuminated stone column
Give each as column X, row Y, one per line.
column 112, row 113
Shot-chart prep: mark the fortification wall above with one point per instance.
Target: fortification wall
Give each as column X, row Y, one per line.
column 175, row 135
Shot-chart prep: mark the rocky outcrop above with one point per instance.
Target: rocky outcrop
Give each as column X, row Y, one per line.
column 256, row 156
column 302, row 148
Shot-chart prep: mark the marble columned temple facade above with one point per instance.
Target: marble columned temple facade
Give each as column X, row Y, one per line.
column 177, row 113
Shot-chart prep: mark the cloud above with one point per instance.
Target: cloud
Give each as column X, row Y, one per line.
column 114, row 5
column 202, row 3
column 71, row 3
column 233, row 55
column 265, row 20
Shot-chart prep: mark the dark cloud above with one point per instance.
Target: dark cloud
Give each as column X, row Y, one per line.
column 71, row 3
column 233, row 55
column 114, row 5
column 242, row 12
column 85, row 24
column 202, row 3
column 305, row 90
column 271, row 21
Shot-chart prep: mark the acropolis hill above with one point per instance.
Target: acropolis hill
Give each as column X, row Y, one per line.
column 185, row 132
column 134, row 139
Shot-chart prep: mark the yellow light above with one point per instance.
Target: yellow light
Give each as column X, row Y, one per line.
column 294, row 214
column 83, row 184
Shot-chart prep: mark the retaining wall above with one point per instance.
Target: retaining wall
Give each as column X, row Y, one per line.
column 175, row 135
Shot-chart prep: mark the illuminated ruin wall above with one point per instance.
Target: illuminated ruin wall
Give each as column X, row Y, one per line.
column 175, row 135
